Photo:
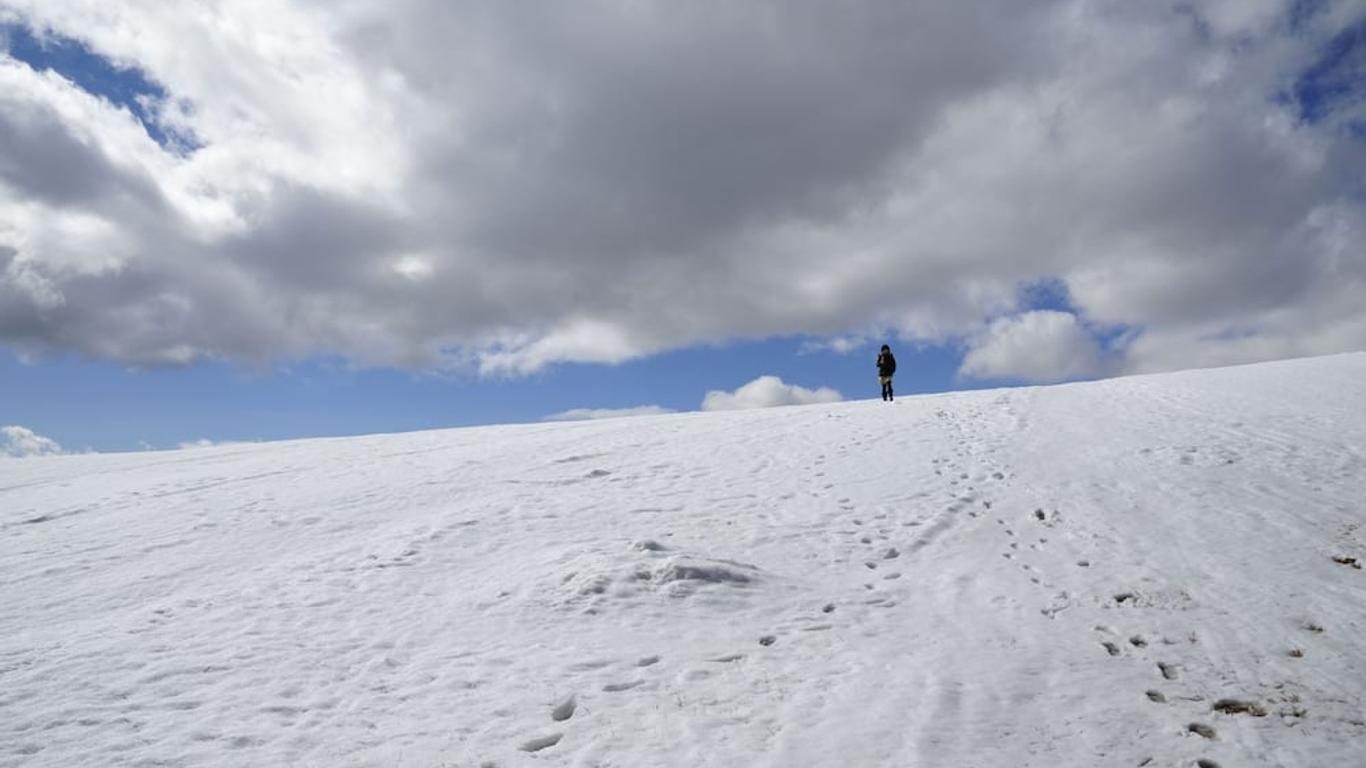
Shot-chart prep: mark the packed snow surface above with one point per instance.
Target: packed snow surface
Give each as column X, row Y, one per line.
column 1156, row 571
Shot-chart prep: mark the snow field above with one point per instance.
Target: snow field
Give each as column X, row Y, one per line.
column 1146, row 571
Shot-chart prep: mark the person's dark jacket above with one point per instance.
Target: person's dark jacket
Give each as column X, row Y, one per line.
column 886, row 364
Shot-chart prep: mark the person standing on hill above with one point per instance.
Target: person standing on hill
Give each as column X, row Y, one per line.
column 886, row 366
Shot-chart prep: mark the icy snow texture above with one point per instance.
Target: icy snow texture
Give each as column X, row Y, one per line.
column 1092, row 574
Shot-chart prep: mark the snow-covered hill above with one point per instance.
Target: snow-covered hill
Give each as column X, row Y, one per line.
column 1146, row 571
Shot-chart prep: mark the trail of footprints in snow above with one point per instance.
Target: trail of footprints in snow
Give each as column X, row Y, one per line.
column 1167, row 671
column 1115, row 645
column 877, row 536
column 1060, row 599
column 967, row 500
column 567, row 707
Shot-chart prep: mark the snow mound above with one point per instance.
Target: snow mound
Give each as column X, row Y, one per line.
column 594, row 582
column 681, row 569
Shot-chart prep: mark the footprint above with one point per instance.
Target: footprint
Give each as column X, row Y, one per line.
column 542, row 742
column 1169, row 671
column 619, row 687
column 1156, row 696
column 589, row 666
column 829, row 608
column 1239, row 707
column 1200, row 729
column 564, row 710
column 891, row 554
column 1111, row 648
column 767, row 640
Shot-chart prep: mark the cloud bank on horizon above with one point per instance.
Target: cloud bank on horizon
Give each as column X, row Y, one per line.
column 20, row 442
column 593, row 414
column 498, row 187
column 767, row 392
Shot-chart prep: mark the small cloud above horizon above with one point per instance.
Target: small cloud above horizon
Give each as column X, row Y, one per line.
column 839, row 345
column 767, row 392
column 202, row 442
column 22, row 442
column 593, row 414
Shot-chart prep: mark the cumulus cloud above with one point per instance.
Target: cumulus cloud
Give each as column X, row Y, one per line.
column 586, row 414
column 1043, row 345
column 498, row 187
column 766, row 392
column 22, row 441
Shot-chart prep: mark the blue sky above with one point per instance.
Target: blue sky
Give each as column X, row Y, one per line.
column 275, row 265
column 126, row 87
column 107, row 407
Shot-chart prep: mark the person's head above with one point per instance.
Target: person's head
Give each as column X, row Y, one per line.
column 886, row 348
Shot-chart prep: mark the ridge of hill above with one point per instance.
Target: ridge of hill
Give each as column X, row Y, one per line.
column 1156, row 570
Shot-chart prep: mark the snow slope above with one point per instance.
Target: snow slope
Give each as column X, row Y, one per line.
column 1062, row 576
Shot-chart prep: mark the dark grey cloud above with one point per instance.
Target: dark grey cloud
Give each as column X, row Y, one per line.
column 46, row 160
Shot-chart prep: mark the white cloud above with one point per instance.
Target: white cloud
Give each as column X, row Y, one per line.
column 839, row 345
column 577, row 339
column 766, row 392
column 502, row 187
column 203, row 442
column 586, row 414
column 1042, row 345
column 22, row 441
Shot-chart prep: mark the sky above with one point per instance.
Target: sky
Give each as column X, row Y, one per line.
column 230, row 221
